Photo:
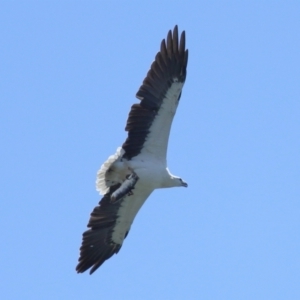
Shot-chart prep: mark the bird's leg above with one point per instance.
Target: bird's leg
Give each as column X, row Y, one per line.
column 126, row 187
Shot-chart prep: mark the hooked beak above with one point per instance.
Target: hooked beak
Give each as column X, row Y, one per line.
column 184, row 184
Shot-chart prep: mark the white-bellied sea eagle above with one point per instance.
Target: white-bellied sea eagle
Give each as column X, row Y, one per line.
column 139, row 167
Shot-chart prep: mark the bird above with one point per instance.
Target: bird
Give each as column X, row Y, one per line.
column 139, row 166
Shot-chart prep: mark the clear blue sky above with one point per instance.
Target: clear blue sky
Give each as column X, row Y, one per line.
column 69, row 73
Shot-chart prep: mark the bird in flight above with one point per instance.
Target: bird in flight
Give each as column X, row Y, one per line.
column 128, row 177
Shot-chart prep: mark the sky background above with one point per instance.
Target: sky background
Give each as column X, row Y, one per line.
column 69, row 73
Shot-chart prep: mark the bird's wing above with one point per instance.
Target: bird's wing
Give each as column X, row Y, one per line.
column 149, row 122
column 109, row 225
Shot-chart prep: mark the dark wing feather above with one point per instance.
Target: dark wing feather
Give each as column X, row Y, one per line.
column 97, row 245
column 170, row 63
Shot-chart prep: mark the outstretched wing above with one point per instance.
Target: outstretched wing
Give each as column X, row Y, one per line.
column 109, row 225
column 97, row 244
column 149, row 122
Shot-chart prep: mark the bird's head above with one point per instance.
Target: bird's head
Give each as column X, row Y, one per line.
column 182, row 183
column 177, row 181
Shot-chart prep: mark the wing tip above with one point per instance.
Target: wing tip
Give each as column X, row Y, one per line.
column 93, row 257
